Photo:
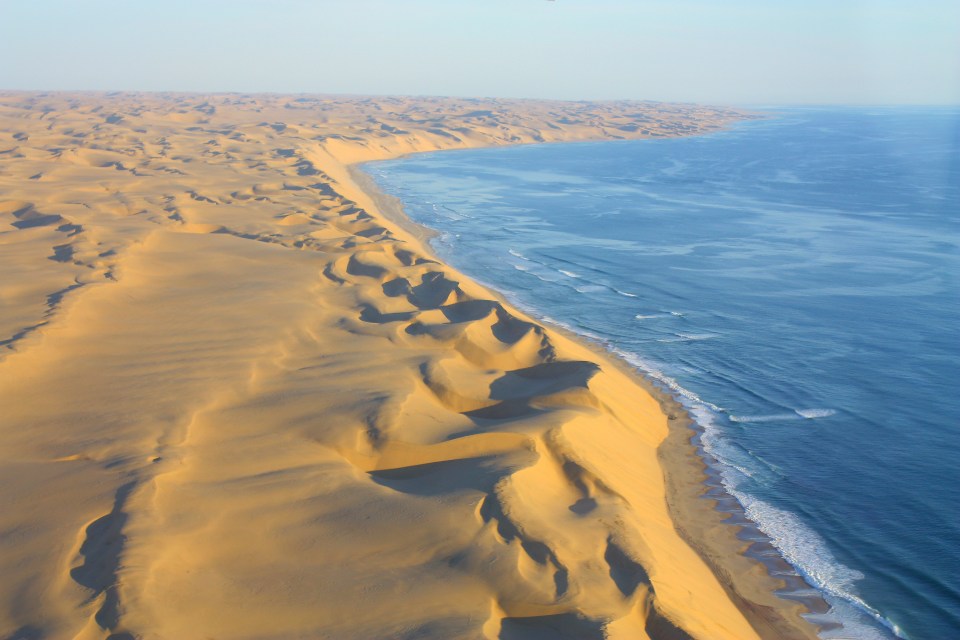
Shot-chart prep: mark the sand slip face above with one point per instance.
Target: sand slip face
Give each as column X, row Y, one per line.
column 240, row 403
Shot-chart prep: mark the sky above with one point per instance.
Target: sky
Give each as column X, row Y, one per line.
column 740, row 52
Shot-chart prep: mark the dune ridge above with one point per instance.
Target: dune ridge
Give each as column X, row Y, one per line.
column 243, row 402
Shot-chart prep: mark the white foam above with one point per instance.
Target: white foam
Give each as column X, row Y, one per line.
column 441, row 210
column 676, row 167
column 689, row 337
column 727, row 460
column 778, row 417
column 697, row 336
column 798, row 414
column 803, row 547
column 851, row 617
column 569, row 274
column 624, row 293
column 810, row 414
column 604, row 214
column 651, row 316
column 517, row 254
column 657, row 374
column 590, row 288
column 788, row 177
column 526, row 270
column 800, row 545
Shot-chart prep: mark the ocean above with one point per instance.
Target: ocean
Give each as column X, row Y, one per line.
column 795, row 281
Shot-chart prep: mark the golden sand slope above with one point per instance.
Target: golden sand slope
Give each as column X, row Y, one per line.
column 238, row 402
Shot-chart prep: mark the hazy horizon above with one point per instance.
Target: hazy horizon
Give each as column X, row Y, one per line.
column 744, row 53
column 715, row 103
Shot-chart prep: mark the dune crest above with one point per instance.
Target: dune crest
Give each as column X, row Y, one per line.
column 242, row 401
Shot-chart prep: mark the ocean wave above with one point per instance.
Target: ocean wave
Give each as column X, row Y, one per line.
column 810, row 414
column 569, row 274
column 625, row 293
column 517, row 254
column 676, row 168
column 524, row 269
column 657, row 374
column 787, row 177
column 569, row 327
column 798, row 414
column 856, row 623
column 443, row 211
column 698, row 336
column 807, row 551
column 689, row 337
column 796, row 542
column 651, row 316
column 604, row 214
column 801, row 546
column 777, row 417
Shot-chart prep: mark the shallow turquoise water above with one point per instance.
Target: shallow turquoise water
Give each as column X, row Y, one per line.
column 796, row 281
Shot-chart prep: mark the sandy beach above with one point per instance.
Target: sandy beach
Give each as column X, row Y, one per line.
column 243, row 400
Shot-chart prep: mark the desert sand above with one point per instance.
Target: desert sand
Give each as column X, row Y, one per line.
column 242, row 400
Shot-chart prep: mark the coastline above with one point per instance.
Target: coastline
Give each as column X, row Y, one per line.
column 373, row 399
column 708, row 518
column 474, row 197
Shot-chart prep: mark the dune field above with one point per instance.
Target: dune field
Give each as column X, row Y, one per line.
column 241, row 399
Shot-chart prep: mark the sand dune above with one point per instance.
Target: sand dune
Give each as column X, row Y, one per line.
column 242, row 401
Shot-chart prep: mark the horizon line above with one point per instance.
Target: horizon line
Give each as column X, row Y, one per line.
column 707, row 102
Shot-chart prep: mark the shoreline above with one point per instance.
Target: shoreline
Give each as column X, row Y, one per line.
column 696, row 496
column 286, row 417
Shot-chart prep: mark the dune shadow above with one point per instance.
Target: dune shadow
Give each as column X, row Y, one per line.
column 469, row 310
column 448, row 476
column 28, row 217
column 658, row 627
column 396, row 288
column 433, row 291
column 508, row 409
column 62, row 253
column 565, row 626
column 26, row 633
column 509, row 329
column 357, row 267
column 583, row 506
column 541, row 379
column 369, row 313
column 101, row 550
column 626, row 573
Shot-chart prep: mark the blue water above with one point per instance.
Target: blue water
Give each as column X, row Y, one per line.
column 796, row 281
